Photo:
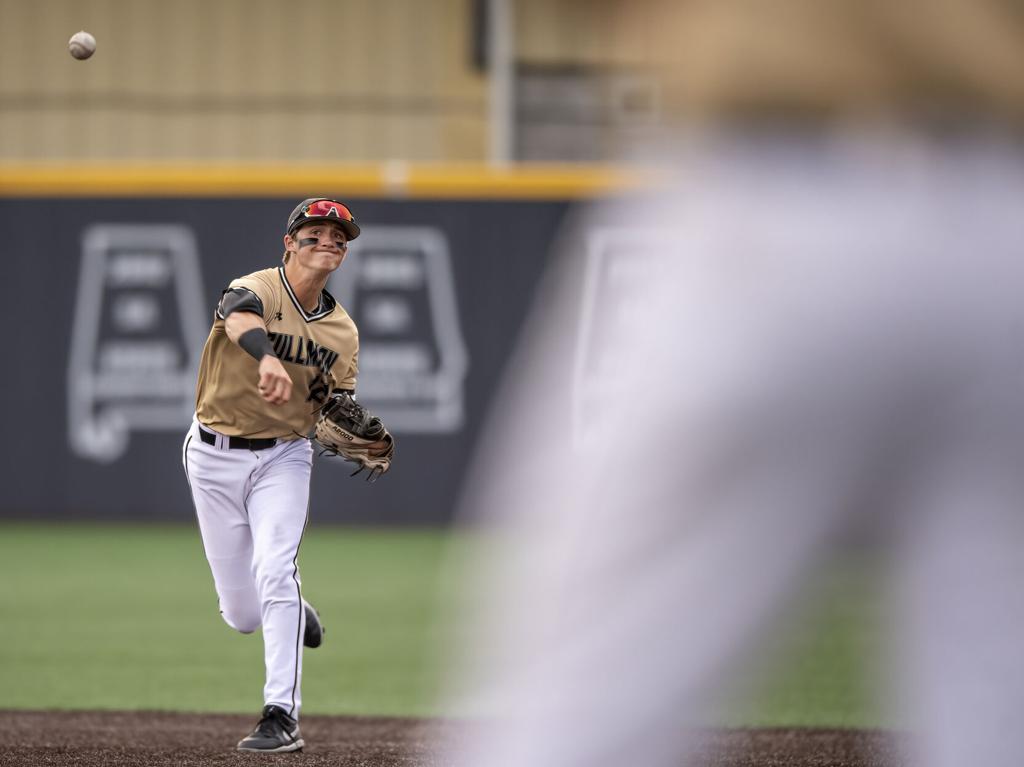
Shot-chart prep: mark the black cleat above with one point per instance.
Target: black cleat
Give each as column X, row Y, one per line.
column 314, row 635
column 276, row 733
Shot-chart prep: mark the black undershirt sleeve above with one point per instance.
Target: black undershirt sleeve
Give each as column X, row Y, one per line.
column 257, row 343
column 239, row 300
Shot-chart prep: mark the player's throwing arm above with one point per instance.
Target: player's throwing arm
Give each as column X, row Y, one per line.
column 247, row 330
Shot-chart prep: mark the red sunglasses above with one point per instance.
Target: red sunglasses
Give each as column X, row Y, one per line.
column 326, row 209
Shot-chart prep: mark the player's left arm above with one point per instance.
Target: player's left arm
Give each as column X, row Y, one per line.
column 346, row 372
column 377, row 446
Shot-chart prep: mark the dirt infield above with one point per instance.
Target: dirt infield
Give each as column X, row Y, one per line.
column 193, row 740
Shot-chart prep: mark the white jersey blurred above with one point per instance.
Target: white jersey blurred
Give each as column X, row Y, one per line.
column 835, row 336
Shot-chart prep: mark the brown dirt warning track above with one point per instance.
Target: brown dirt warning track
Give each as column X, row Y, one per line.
column 155, row 739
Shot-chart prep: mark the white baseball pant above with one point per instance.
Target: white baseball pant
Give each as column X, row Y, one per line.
column 252, row 507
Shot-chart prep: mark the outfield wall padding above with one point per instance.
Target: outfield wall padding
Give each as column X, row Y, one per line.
column 109, row 301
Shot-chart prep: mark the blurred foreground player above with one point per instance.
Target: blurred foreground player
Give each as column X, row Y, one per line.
column 281, row 349
column 832, row 336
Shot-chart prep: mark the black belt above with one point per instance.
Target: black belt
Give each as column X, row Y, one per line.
column 238, row 443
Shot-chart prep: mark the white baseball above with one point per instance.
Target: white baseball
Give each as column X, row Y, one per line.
column 82, row 45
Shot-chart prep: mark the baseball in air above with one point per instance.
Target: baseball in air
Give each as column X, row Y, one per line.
column 82, row 45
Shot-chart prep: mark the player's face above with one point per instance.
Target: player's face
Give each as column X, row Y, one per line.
column 320, row 245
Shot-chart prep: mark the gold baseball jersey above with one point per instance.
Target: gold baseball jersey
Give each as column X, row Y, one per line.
column 319, row 350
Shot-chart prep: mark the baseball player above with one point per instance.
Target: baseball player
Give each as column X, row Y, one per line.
column 280, row 347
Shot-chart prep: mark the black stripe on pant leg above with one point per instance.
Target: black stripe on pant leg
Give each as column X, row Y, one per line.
column 184, row 463
column 191, row 490
column 298, row 589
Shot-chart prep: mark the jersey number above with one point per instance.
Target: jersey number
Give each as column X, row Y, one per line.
column 318, row 389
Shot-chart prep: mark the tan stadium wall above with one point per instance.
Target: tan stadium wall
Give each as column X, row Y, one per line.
column 243, row 80
column 596, row 33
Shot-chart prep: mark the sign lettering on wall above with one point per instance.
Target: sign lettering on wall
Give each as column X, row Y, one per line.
column 138, row 330
column 398, row 285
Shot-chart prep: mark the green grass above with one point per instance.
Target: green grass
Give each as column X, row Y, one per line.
column 112, row 616
column 819, row 668
column 96, row 616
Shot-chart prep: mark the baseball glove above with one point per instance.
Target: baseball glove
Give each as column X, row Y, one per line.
column 347, row 429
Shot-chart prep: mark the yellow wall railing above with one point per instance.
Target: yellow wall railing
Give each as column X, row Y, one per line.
column 386, row 180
